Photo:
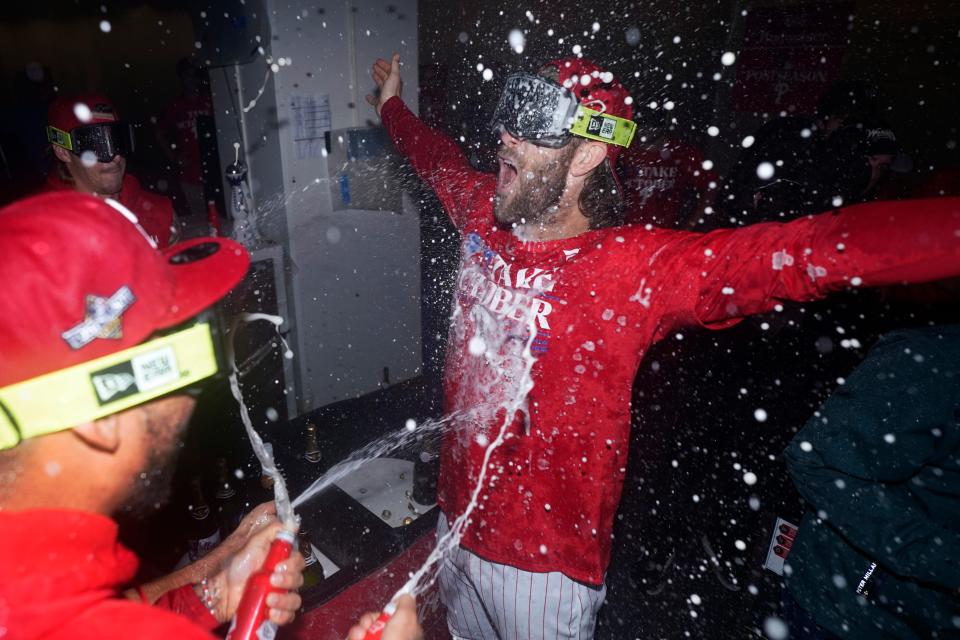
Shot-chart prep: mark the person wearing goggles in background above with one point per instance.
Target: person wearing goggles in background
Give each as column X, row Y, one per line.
column 101, row 346
column 555, row 307
column 91, row 145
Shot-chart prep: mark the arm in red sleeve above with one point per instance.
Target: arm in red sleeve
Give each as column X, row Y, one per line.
column 439, row 161
column 184, row 601
column 746, row 271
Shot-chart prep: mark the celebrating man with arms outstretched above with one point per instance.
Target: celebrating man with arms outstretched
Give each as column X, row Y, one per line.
column 552, row 293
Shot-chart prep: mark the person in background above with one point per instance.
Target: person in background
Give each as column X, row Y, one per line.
column 90, row 145
column 878, row 552
column 799, row 165
column 666, row 181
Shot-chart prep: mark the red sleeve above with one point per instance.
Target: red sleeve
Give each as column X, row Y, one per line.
column 439, row 161
column 741, row 272
column 184, row 601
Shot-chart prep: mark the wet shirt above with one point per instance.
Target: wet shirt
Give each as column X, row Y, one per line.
column 60, row 576
column 154, row 212
column 547, row 337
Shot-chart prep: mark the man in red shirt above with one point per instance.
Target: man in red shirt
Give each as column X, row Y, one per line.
column 554, row 310
column 104, row 343
column 91, row 144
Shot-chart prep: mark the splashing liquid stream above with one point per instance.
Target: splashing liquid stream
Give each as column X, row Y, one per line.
column 281, row 497
column 423, row 578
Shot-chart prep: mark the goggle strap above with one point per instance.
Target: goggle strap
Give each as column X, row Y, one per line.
column 595, row 125
column 60, row 138
column 98, row 388
column 10, row 435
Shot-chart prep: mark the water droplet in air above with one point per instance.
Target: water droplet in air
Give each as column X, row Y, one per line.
column 82, row 112
column 477, row 346
column 517, row 40
column 775, row 628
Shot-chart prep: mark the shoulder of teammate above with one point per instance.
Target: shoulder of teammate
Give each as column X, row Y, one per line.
column 119, row 618
column 154, row 211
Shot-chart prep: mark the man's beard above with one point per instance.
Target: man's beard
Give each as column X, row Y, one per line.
column 536, row 203
column 153, row 485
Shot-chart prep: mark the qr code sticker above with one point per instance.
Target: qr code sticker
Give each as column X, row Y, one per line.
column 606, row 131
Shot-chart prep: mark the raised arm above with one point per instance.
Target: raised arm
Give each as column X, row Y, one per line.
column 740, row 272
column 437, row 159
column 860, row 458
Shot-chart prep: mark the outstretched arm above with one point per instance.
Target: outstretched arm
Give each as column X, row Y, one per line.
column 739, row 272
column 437, row 159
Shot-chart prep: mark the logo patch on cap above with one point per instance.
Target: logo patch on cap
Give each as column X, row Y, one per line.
column 603, row 127
column 102, row 111
column 102, row 319
column 140, row 374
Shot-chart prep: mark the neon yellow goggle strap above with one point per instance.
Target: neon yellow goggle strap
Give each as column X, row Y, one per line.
column 95, row 389
column 60, row 138
column 604, row 127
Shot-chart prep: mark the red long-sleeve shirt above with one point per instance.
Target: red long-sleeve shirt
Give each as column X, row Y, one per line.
column 60, row 572
column 597, row 302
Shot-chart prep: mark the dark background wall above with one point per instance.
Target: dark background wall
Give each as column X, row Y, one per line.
column 911, row 51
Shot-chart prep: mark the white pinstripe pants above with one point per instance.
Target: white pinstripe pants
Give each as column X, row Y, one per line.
column 490, row 601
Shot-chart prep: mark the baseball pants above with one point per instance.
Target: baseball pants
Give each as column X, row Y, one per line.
column 490, row 601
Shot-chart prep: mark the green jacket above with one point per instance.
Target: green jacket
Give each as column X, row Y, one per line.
column 878, row 552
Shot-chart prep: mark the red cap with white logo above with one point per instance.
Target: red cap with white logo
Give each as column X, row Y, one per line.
column 70, row 260
column 68, row 112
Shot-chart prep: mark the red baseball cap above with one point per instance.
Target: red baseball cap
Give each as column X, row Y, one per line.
column 83, row 280
column 595, row 89
column 68, row 112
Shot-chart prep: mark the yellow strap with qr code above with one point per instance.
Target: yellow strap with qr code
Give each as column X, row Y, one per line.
column 59, row 137
column 604, row 127
column 98, row 388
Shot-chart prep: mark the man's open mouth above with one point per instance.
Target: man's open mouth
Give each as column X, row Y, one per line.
column 508, row 173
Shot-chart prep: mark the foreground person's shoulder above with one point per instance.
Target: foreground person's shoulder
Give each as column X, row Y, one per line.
column 119, row 618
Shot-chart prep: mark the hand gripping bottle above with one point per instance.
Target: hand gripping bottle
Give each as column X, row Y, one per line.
column 376, row 629
column 252, row 621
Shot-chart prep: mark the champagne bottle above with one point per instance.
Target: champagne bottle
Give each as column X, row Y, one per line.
column 312, row 570
column 252, row 619
column 312, row 450
column 203, row 529
column 230, row 504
